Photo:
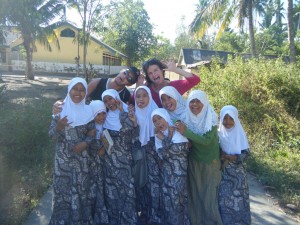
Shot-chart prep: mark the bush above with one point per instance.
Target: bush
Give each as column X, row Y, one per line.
column 267, row 95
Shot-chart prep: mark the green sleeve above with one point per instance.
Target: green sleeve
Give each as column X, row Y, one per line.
column 205, row 139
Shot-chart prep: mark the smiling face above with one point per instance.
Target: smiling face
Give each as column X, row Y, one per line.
column 168, row 103
column 196, row 106
column 110, row 102
column 159, row 123
column 77, row 93
column 142, row 98
column 100, row 118
column 228, row 122
column 155, row 74
column 123, row 78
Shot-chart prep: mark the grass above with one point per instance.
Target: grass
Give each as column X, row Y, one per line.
column 267, row 94
column 26, row 156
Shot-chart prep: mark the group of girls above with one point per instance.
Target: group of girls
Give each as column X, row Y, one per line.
column 179, row 144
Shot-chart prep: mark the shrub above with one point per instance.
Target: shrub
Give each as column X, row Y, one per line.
column 267, row 95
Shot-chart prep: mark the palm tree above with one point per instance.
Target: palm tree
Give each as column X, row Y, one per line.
column 224, row 12
column 32, row 18
column 291, row 31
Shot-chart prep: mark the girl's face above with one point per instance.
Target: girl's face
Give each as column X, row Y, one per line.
column 196, row 106
column 77, row 93
column 168, row 103
column 110, row 103
column 228, row 121
column 160, row 123
column 155, row 74
column 142, row 98
column 100, row 118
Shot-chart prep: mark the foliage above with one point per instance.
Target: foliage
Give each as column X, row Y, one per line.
column 232, row 42
column 31, row 18
column 267, row 95
column 128, row 29
column 26, row 158
column 91, row 12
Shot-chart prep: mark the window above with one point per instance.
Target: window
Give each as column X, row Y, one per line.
column 67, row 33
column 111, row 60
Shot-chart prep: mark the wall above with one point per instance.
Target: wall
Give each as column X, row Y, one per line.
column 58, row 68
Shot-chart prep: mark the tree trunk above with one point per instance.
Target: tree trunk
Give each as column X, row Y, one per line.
column 291, row 31
column 84, row 42
column 251, row 28
column 29, row 70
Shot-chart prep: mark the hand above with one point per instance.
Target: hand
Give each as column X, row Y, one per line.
column 120, row 105
column 92, row 133
column 80, row 147
column 132, row 117
column 159, row 134
column 101, row 151
column 171, row 131
column 231, row 158
column 180, row 127
column 57, row 107
column 62, row 123
column 171, row 66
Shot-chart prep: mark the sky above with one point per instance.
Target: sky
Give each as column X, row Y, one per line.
column 165, row 15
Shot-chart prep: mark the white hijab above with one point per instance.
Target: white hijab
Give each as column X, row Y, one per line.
column 112, row 121
column 205, row 120
column 177, row 137
column 180, row 102
column 144, row 119
column 232, row 140
column 98, row 107
column 77, row 113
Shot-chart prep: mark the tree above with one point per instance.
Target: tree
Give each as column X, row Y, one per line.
column 32, row 19
column 291, row 34
column 91, row 12
column 128, row 29
column 213, row 12
column 184, row 38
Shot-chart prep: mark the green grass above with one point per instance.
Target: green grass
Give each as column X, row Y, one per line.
column 267, row 95
column 26, row 157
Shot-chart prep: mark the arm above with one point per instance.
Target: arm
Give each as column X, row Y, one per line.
column 92, row 85
column 205, row 139
column 183, row 86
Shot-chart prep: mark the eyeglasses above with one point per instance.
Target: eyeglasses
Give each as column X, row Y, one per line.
column 128, row 77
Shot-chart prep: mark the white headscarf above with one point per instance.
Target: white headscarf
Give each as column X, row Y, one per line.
column 232, row 140
column 177, row 137
column 143, row 116
column 77, row 113
column 112, row 121
column 180, row 102
column 205, row 120
column 98, row 107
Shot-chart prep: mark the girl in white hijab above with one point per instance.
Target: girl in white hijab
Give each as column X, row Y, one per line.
column 199, row 125
column 234, row 209
column 119, row 188
column 145, row 167
column 172, row 148
column 173, row 102
column 72, row 178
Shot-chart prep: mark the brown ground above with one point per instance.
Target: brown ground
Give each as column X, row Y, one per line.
column 18, row 89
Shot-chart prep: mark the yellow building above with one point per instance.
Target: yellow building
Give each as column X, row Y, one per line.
column 63, row 59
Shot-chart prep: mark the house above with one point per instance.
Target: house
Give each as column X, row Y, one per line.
column 192, row 58
column 103, row 58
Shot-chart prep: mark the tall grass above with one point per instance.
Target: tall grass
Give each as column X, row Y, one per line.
column 267, row 95
column 26, row 157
